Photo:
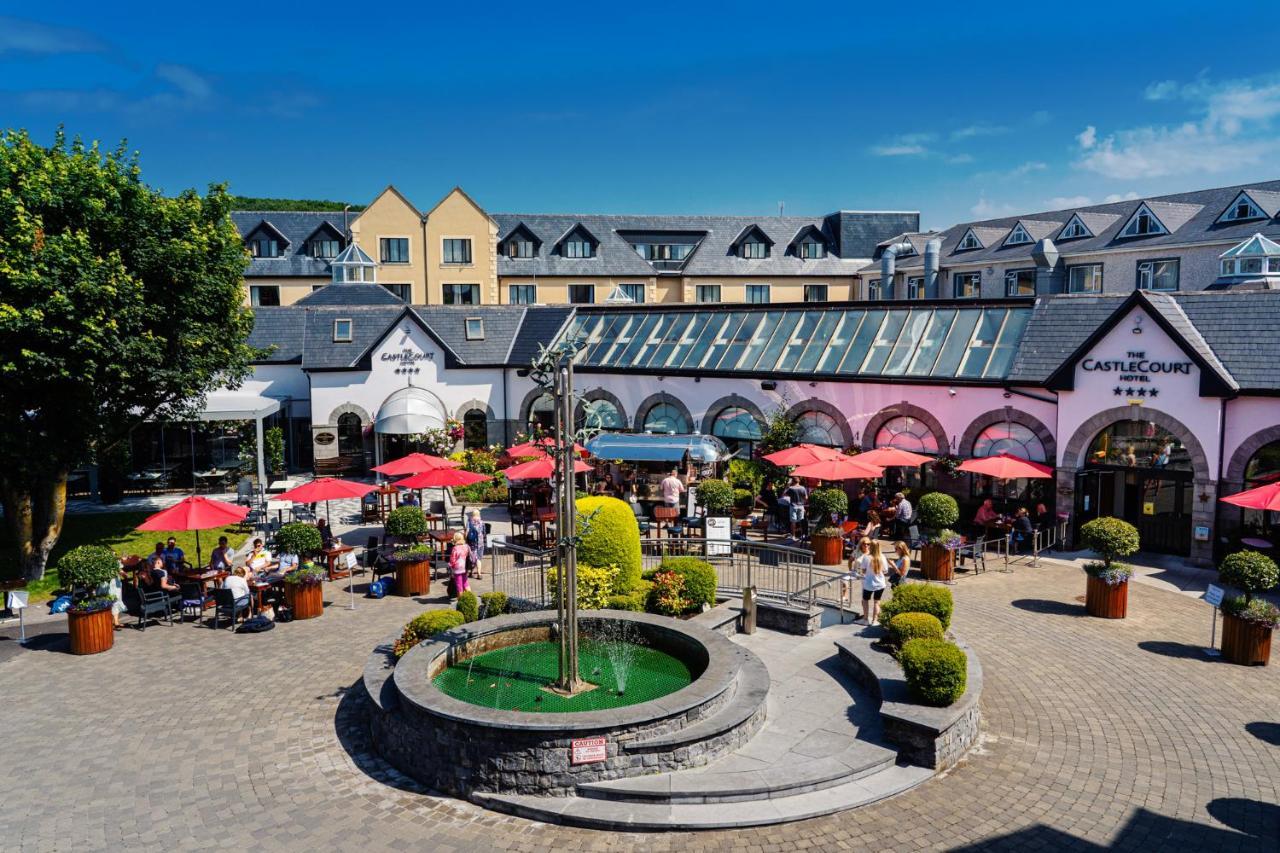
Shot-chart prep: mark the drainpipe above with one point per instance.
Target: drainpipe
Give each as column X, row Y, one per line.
column 887, row 262
column 932, row 251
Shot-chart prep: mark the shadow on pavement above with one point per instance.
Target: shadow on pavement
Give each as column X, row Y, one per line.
column 1045, row 605
column 1171, row 649
column 1265, row 732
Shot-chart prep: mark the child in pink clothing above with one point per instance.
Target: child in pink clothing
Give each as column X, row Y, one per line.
column 458, row 554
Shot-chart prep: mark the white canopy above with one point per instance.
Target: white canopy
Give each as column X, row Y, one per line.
column 410, row 411
column 237, row 406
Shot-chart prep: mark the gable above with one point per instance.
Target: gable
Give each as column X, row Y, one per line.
column 807, row 234
column 1075, row 229
column 407, row 351
column 576, row 233
column 1018, row 236
column 269, row 231
column 751, row 234
column 1142, row 222
column 969, row 242
column 521, row 232
column 1248, row 206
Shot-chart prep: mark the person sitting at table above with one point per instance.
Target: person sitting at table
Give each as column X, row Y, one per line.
column 153, row 577
column 157, row 554
column 863, row 506
column 409, row 499
column 258, row 558
column 903, row 514
column 872, row 531
column 1023, row 532
column 174, row 556
column 220, row 559
column 238, row 584
column 326, row 535
column 986, row 514
column 286, row 563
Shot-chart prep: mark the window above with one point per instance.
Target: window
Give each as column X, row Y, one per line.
column 757, row 294
column 316, row 287
column 1018, row 236
column 1242, row 209
column 264, row 247
column 393, row 250
column 326, row 247
column 1249, row 266
column 874, row 290
column 522, row 294
column 812, row 250
column 342, row 331
column 906, row 433
column 1008, row 437
column 968, row 241
column 264, row 295
column 1075, row 228
column 519, row 248
column 815, row 293
column 1086, row 278
column 474, row 328
column 542, row 414
column 1020, row 283
column 664, row 251
column 666, row 418
column 818, row 428
column 457, row 250
column 601, row 414
column 350, row 435
column 634, row 292
column 1158, row 275
column 755, row 250
column 915, row 287
column 582, row 294
column 708, row 293
column 475, row 429
column 576, row 249
column 400, row 290
column 1144, row 222
column 967, row 285
column 1138, row 444
column 461, row 294
column 739, row 430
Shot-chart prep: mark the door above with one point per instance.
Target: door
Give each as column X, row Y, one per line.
column 1161, row 509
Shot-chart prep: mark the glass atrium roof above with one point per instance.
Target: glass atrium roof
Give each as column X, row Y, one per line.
column 935, row 342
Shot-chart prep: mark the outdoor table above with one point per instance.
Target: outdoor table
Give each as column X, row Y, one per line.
column 1256, row 543
column 204, row 578
column 280, row 485
column 279, row 507
column 388, row 497
column 259, row 585
column 432, row 518
column 331, row 556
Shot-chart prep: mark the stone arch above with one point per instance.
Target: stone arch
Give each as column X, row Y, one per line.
column 1015, row 416
column 526, row 405
column 904, row 409
column 652, row 400
column 1234, row 476
column 462, row 410
column 349, row 409
column 600, row 394
column 813, row 404
column 1077, row 447
column 731, row 400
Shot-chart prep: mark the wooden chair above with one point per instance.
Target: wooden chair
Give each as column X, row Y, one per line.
column 664, row 516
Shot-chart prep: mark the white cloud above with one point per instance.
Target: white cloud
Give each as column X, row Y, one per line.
column 1019, row 171
column 906, row 145
column 973, row 130
column 31, row 37
column 1163, row 91
column 1129, row 196
column 1087, row 137
column 1064, row 202
column 185, row 80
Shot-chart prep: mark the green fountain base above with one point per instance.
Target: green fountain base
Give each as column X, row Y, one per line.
column 518, row 678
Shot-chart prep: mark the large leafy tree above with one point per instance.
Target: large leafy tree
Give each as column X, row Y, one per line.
column 118, row 304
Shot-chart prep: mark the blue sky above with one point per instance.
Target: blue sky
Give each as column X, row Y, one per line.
column 960, row 110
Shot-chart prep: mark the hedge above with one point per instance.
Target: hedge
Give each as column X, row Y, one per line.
column 632, row 601
column 714, row 496
column 919, row 598
column 699, row 579
column 468, row 605
column 825, row 503
column 936, row 671
column 914, row 626
column 426, row 625
column 610, row 537
column 495, row 603
column 595, row 585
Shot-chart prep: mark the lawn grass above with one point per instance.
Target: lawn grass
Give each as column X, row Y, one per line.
column 116, row 530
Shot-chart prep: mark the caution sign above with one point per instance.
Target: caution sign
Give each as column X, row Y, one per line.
column 587, row 750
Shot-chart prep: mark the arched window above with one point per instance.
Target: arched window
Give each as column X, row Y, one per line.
column 1014, row 439
column 907, row 433
column 1138, row 444
column 602, row 415
column 1263, row 467
column 663, row 418
column 475, row 429
column 739, row 430
column 350, row 436
column 818, row 428
column 542, row 413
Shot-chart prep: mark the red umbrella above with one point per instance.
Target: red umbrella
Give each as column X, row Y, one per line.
column 539, row 447
column 541, row 469
column 440, row 478
column 326, row 489
column 414, row 463
column 893, row 457
column 1006, row 466
column 1263, row 497
column 843, row 468
column 196, row 513
column 803, row 454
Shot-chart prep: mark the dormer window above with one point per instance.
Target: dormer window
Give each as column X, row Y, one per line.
column 1018, row 236
column 264, row 247
column 812, row 250
column 576, row 249
column 1242, row 210
column 324, row 247
column 1075, row 228
column 521, row 243
column 1143, row 223
column 342, row 331
column 519, row 248
column 968, row 242
column 754, row 250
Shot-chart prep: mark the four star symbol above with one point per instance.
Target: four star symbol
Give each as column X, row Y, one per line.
column 1135, row 392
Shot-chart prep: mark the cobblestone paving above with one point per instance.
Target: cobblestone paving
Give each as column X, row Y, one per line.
column 1099, row 735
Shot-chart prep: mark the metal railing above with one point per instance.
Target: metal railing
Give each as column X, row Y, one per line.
column 520, row 572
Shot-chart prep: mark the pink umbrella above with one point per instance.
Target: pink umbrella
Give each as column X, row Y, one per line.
column 326, row 489
column 541, row 469
column 414, row 463
column 893, row 457
column 1006, row 466
column 803, row 454
column 539, row 447
column 1263, row 497
column 843, row 468
column 441, row 478
column 195, row 513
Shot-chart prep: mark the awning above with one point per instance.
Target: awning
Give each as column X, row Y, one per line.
column 643, row 447
column 237, row 406
column 409, row 411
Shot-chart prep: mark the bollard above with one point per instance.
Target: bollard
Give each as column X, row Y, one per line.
column 748, row 610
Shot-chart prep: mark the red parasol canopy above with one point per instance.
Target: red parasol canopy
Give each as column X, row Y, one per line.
column 1263, row 497
column 893, row 457
column 1006, row 466
column 196, row 513
column 804, row 454
column 843, row 468
column 414, row 463
column 541, row 469
column 440, row 478
column 540, row 447
column 326, row 489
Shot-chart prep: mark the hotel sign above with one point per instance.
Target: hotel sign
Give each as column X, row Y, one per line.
column 1136, row 369
column 408, row 356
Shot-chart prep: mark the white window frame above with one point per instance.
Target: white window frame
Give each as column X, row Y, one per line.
column 643, row 290
column 915, row 287
column 342, row 337
column 1077, row 223
column 473, row 328
column 751, row 247
column 533, row 289
column 1011, row 281
column 826, row 294
column 1147, row 268
column 515, row 243
column 1130, row 227
column 1243, row 197
column 255, row 289
column 1020, row 232
column 698, row 290
column 821, row 250
column 969, row 242
column 471, row 252
column 1071, row 283
column 588, row 249
column 955, row 284
column 768, row 294
column 408, row 242
column 873, row 290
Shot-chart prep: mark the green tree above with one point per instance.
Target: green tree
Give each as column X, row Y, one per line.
column 118, row 304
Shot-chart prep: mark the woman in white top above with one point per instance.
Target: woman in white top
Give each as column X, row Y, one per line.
column 874, row 580
column 859, row 562
column 237, row 584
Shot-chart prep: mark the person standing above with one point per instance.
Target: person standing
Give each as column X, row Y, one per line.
column 672, row 488
column 903, row 517
column 799, row 496
column 458, row 553
column 900, row 565
column 874, row 580
column 475, row 542
column 859, row 562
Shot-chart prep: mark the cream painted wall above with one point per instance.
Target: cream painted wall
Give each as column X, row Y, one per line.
column 554, row 290
column 781, row 289
column 391, row 215
column 457, row 216
column 291, row 289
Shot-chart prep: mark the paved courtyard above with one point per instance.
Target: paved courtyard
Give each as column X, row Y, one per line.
column 1099, row 735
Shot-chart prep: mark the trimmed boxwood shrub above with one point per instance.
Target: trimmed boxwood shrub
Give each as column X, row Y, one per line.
column 936, row 671
column 743, row 499
column 595, row 585
column 914, row 626
column 1249, row 572
column 495, row 603
column 426, row 625
column 1110, row 538
column 937, row 511
column 610, row 537
column 299, row 538
column 88, row 567
column 919, row 598
column 406, row 522
column 633, row 601
column 714, row 496
column 824, row 503
column 468, row 605
column 699, row 579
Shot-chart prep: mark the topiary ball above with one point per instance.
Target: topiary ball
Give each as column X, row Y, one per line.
column 1110, row 538
column 937, row 510
column 919, row 598
column 914, row 626
column 298, row 538
column 406, row 522
column 699, row 579
column 1249, row 571
column 88, row 567
column 610, row 537
column 936, row 671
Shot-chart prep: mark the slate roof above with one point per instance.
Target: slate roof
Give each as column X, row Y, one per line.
column 350, row 294
column 1190, row 217
column 296, row 227
column 280, row 331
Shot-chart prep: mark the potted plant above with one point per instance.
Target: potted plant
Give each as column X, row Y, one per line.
column 304, row 591
column 83, row 570
column 1247, row 622
column 413, row 569
column 937, row 512
column 826, row 508
column 298, row 538
column 744, row 501
column 406, row 523
column 1107, row 594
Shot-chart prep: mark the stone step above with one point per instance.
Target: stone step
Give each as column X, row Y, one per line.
column 663, row 816
column 785, row 778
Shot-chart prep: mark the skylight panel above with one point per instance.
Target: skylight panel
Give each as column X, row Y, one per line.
column 862, row 341
column 931, row 342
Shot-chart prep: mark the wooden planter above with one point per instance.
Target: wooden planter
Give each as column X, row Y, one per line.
column 305, row 600
column 827, row 550
column 91, row 633
column 1243, row 642
column 1106, row 601
column 413, row 578
column 937, row 563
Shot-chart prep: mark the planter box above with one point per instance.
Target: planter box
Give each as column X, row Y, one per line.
column 827, row 550
column 937, row 563
column 305, row 600
column 1244, row 642
column 413, row 578
column 91, row 633
column 1106, row 601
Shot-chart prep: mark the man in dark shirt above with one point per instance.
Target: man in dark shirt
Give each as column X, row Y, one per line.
column 173, row 556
